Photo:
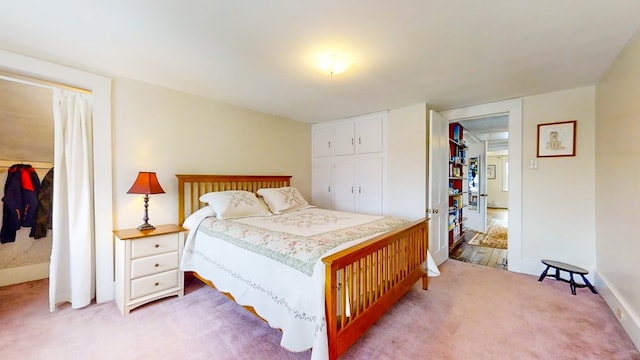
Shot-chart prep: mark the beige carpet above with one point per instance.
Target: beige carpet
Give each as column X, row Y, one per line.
column 496, row 236
column 469, row 312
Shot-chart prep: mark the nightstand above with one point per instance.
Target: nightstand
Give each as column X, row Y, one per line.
column 147, row 265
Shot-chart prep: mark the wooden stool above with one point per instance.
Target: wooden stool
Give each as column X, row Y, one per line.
column 560, row 266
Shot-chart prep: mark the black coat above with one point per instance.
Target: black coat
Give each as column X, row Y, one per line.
column 45, row 203
column 20, row 201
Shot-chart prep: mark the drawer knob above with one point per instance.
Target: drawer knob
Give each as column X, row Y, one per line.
column 156, row 284
column 157, row 265
column 157, row 246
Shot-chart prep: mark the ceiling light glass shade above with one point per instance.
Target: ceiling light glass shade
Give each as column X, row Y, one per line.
column 333, row 64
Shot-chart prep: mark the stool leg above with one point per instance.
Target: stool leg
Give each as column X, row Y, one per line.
column 544, row 274
column 586, row 281
column 572, row 283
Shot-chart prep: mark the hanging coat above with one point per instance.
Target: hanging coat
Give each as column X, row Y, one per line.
column 45, row 205
column 20, row 200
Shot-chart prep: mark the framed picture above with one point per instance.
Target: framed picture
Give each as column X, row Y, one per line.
column 557, row 139
column 491, row 171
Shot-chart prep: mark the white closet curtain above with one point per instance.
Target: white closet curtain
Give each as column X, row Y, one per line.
column 72, row 269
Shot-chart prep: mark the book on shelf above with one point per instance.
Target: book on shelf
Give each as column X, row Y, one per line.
column 456, row 132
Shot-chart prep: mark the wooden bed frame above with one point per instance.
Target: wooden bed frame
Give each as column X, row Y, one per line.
column 368, row 278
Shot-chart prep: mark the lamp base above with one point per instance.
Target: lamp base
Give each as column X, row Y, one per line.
column 146, row 226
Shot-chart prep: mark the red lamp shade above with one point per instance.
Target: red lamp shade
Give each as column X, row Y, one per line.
column 146, row 183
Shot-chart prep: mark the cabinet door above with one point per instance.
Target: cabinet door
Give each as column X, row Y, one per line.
column 343, row 138
column 321, row 141
column 369, row 134
column 369, row 188
column 344, row 184
column 321, row 187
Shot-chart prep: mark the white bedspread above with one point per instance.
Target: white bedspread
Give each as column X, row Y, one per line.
column 274, row 264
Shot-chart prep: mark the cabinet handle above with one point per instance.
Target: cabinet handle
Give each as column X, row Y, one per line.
column 359, row 190
column 329, row 188
column 351, row 141
column 156, row 284
column 352, row 189
column 157, row 246
column 359, row 141
column 157, row 265
column 329, row 144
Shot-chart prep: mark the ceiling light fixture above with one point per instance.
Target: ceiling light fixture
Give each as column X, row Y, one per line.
column 332, row 64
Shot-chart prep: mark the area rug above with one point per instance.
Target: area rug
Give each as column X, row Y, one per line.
column 496, row 236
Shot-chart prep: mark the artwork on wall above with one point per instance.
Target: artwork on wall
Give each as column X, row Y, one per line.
column 491, row 171
column 557, row 139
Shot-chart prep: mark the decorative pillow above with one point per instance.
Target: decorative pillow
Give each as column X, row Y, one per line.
column 284, row 199
column 193, row 220
column 235, row 204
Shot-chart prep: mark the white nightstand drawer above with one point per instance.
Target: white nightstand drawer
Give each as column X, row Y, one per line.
column 154, row 245
column 154, row 264
column 154, row 283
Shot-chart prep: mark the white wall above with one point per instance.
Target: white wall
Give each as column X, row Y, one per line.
column 405, row 194
column 169, row 132
column 618, row 176
column 558, row 207
column 496, row 196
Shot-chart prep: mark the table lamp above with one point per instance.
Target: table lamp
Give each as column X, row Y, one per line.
column 146, row 183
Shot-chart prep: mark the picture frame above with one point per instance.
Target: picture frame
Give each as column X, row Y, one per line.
column 557, row 139
column 491, row 171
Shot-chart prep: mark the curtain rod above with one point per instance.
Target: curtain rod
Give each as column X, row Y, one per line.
column 5, row 163
column 40, row 83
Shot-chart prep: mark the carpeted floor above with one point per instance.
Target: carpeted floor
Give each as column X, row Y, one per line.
column 469, row 312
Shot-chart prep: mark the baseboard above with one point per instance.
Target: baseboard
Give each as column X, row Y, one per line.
column 25, row 273
column 529, row 266
column 629, row 320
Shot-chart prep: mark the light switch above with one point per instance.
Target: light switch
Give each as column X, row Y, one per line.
column 534, row 164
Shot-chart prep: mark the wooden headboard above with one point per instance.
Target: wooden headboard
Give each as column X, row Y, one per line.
column 191, row 187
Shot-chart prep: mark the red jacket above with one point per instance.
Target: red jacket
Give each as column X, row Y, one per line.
column 20, row 200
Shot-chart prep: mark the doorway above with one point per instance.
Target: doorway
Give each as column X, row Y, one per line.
column 103, row 207
column 512, row 109
column 26, row 135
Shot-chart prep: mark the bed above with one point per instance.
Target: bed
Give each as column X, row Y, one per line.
column 325, row 306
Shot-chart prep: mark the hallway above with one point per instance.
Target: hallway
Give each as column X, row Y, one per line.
column 482, row 255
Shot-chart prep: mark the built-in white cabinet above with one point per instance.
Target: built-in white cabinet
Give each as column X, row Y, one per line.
column 348, row 164
column 322, row 182
column 321, row 141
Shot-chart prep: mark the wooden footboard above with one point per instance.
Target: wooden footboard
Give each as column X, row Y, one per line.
column 366, row 279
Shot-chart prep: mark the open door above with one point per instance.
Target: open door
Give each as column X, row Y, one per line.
column 438, row 198
column 476, row 211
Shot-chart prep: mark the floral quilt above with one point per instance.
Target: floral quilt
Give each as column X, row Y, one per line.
column 298, row 239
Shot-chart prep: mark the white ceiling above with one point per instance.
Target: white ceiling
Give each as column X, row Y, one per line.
column 492, row 129
column 260, row 54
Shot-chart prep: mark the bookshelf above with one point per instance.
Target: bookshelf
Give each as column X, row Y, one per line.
column 458, row 184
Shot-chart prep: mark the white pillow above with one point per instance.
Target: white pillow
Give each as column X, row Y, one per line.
column 235, row 204
column 194, row 219
column 284, row 199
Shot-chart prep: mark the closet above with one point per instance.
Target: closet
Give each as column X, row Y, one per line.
column 348, row 164
column 26, row 137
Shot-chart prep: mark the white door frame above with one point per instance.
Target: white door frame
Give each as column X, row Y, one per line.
column 512, row 108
